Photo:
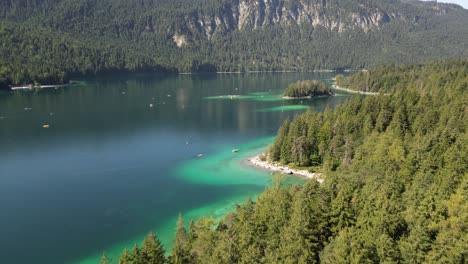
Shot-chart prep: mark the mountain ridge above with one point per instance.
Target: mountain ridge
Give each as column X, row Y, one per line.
column 210, row 35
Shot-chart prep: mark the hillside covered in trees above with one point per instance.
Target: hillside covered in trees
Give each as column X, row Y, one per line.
column 390, row 78
column 51, row 41
column 395, row 189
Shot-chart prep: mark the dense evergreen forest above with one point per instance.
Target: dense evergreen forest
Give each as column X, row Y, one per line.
column 390, row 78
column 51, row 41
column 395, row 189
column 307, row 88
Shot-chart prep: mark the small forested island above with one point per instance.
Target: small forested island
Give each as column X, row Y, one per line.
column 307, row 89
column 394, row 191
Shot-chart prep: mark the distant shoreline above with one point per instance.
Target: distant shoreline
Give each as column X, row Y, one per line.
column 334, row 86
column 306, row 97
column 283, row 71
column 275, row 167
column 32, row 87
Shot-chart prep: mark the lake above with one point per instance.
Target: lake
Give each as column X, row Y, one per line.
column 120, row 158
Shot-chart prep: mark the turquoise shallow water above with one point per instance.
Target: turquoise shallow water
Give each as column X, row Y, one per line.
column 120, row 158
column 226, row 167
column 219, row 168
column 269, row 96
column 284, row 108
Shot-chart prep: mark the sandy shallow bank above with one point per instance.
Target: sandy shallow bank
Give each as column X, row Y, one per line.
column 256, row 161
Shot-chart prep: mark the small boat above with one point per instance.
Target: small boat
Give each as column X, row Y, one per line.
column 151, row 105
column 45, row 126
column 199, row 155
column 235, row 150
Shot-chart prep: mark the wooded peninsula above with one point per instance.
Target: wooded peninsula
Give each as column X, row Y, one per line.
column 395, row 182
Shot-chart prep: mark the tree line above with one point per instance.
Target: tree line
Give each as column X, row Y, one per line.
column 393, row 77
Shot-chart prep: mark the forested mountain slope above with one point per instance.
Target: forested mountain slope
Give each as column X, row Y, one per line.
column 390, row 78
column 49, row 40
column 395, row 189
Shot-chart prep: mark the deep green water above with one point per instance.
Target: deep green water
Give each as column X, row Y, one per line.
column 120, row 158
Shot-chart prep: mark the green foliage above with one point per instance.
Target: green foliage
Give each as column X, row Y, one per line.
column 390, row 78
column 126, row 257
column 307, row 88
column 180, row 251
column 151, row 252
column 395, row 184
column 51, row 41
column 104, row 259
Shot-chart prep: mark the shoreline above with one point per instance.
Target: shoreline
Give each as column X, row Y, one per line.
column 306, row 97
column 279, row 71
column 32, row 87
column 275, row 167
column 334, row 86
column 35, row 87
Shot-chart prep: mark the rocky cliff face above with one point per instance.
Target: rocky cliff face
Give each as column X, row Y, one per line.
column 254, row 14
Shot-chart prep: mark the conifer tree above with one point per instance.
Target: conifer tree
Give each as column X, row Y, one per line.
column 138, row 257
column 275, row 150
column 152, row 250
column 126, row 257
column 180, row 252
column 191, row 233
column 104, row 259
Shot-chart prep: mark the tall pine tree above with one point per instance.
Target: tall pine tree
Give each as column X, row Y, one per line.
column 180, row 252
column 152, row 250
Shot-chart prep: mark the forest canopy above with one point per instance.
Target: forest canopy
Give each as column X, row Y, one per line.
column 392, row 77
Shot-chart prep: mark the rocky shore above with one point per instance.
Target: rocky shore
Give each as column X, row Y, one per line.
column 256, row 161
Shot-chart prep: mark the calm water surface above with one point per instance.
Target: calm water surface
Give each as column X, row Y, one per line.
column 120, row 158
